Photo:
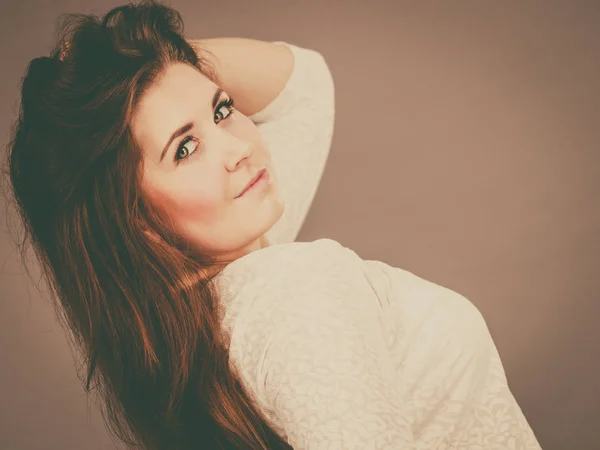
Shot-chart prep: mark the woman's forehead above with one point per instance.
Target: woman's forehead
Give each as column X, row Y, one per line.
column 178, row 82
column 179, row 92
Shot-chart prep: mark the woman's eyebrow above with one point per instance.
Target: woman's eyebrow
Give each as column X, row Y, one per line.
column 216, row 96
column 188, row 126
column 178, row 132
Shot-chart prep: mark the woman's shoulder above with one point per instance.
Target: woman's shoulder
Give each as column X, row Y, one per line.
column 271, row 280
column 296, row 253
column 282, row 265
column 298, row 249
column 319, row 256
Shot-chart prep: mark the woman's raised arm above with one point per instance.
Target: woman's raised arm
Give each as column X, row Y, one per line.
column 288, row 92
column 251, row 71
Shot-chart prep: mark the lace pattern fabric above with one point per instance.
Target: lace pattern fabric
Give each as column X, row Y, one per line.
column 345, row 353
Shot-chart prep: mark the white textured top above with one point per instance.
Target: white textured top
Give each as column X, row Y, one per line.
column 344, row 353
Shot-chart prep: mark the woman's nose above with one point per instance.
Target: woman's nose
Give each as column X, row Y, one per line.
column 237, row 150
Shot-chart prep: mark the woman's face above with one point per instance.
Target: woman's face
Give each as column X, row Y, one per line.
column 198, row 157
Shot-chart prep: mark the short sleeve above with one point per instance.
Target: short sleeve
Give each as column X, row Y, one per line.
column 317, row 361
column 297, row 127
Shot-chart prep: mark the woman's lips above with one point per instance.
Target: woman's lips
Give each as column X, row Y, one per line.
column 261, row 174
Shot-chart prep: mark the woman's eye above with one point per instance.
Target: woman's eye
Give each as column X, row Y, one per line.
column 189, row 145
column 227, row 106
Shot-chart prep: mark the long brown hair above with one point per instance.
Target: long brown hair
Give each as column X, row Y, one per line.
column 137, row 300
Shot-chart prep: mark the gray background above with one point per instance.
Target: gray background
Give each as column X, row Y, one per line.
column 466, row 150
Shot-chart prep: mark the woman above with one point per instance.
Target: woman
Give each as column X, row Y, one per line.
column 204, row 324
